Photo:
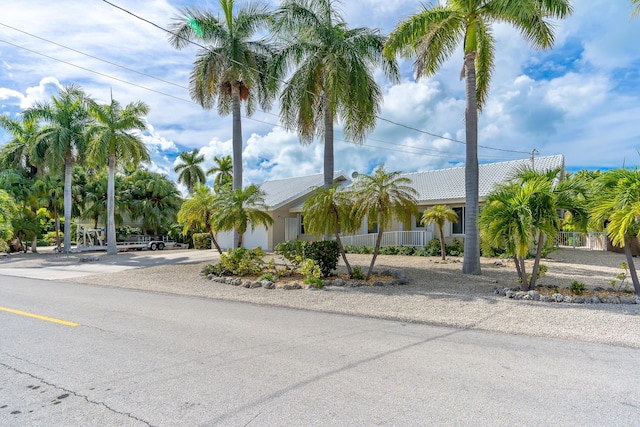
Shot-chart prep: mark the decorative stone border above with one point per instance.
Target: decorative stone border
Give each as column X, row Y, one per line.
column 557, row 297
column 398, row 278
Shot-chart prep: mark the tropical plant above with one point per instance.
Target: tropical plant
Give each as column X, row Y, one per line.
column 617, row 204
column 328, row 210
column 636, row 8
column 432, row 36
column 383, row 195
column 438, row 215
column 231, row 69
column 63, row 140
column 153, row 198
column 333, row 79
column 198, row 211
column 111, row 140
column 189, row 169
column 50, row 191
column 21, row 151
column 8, row 208
column 97, row 202
column 223, row 171
column 237, row 209
column 19, row 183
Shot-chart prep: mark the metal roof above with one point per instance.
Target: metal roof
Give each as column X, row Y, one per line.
column 279, row 192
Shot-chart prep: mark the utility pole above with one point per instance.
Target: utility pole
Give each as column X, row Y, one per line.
column 533, row 155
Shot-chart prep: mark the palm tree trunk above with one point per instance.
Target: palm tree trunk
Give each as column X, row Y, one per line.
column 471, row 261
column 34, row 240
column 328, row 144
column 112, row 249
column 536, row 261
column 631, row 265
column 68, row 176
column 237, row 147
column 375, row 251
column 240, row 235
column 344, row 255
column 443, row 247
column 215, row 242
column 523, row 275
column 57, row 222
column 517, row 263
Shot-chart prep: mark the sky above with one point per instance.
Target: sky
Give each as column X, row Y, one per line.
column 580, row 99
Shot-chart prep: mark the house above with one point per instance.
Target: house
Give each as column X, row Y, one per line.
column 284, row 198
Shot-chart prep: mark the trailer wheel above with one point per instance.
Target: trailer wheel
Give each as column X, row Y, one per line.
column 160, row 246
column 153, row 247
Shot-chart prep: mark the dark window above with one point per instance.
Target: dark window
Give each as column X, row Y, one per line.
column 418, row 219
column 458, row 227
column 301, row 225
column 372, row 225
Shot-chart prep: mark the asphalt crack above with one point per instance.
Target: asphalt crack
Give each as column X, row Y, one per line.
column 81, row 396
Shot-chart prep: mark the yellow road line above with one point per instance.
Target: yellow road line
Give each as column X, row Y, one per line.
column 37, row 316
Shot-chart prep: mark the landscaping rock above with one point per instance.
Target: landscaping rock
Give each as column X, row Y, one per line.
column 378, row 283
column 595, row 299
column 567, row 299
column 636, row 299
column 510, row 294
column 246, row 283
column 578, row 300
column 557, row 297
column 613, row 300
column 535, row 295
column 256, row 285
column 338, row 282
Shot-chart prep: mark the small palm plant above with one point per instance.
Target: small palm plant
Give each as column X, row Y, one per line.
column 189, row 169
column 223, row 171
column 438, row 215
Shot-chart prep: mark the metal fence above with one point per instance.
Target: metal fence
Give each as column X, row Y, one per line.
column 592, row 241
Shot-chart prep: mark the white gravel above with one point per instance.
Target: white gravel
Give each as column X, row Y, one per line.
column 438, row 294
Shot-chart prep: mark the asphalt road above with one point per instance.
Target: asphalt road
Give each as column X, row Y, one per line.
column 139, row 358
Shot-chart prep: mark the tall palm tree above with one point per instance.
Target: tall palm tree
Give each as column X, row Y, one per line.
column 432, row 36
column 190, row 171
column 328, row 210
column 63, row 141
column 383, row 195
column 154, row 198
column 198, row 210
column 111, row 140
column 232, row 68
column 636, row 8
column 617, row 204
column 223, row 171
column 333, row 79
column 438, row 215
column 237, row 209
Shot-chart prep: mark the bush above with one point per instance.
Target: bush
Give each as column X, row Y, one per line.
column 215, row 269
column 325, row 253
column 201, row 241
column 4, row 246
column 358, row 250
column 421, row 252
column 456, row 248
column 577, row 287
column 267, row 276
column 388, row 250
column 291, row 251
column 310, row 269
column 241, row 261
column 406, row 250
column 317, row 283
column 356, row 273
column 50, row 238
column 433, row 247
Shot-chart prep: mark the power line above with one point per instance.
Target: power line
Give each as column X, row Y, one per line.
column 282, row 81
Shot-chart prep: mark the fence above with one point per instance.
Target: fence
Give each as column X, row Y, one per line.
column 390, row 238
column 592, row 241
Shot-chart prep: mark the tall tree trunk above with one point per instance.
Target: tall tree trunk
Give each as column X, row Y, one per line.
column 471, row 261
column 536, row 261
column 215, row 242
column 517, row 263
column 57, row 222
column 328, row 144
column 237, row 148
column 112, row 249
column 240, row 235
column 34, row 240
column 523, row 275
column 344, row 255
column 631, row 265
column 68, row 176
column 375, row 251
column 443, row 247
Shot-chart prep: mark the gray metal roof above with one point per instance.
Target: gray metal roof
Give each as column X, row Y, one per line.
column 279, row 192
column 448, row 184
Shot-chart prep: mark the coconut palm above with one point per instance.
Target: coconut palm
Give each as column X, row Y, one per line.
column 198, row 211
column 223, row 171
column 385, row 196
column 111, row 140
column 438, row 215
column 333, row 74
column 328, row 210
column 232, row 68
column 617, row 204
column 153, row 198
column 20, row 151
column 190, row 171
column 237, row 209
column 432, row 36
column 63, row 141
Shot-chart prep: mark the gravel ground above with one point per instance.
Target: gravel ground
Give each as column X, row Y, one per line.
column 438, row 294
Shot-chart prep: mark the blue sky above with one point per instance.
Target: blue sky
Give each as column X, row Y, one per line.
column 580, row 99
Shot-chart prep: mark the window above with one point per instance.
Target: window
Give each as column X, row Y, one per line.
column 301, row 224
column 372, row 225
column 458, row 227
column 418, row 219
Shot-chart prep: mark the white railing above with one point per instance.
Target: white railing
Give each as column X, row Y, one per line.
column 389, row 238
column 570, row 239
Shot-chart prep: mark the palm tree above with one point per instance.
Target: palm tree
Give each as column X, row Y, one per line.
column 198, row 211
column 63, row 141
column 50, row 191
column 383, row 195
column 333, row 78
column 328, row 210
column 432, row 36
column 617, row 205
column 20, row 151
column 8, row 209
column 223, row 171
column 438, row 215
column 232, row 68
column 236, row 209
column 154, row 198
column 191, row 172
column 112, row 140
column 636, row 9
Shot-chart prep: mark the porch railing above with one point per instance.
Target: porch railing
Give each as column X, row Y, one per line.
column 390, row 238
column 570, row 239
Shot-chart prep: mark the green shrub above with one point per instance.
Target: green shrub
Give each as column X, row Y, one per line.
column 388, row 250
column 291, row 251
column 310, row 269
column 4, row 246
column 50, row 238
column 577, row 287
column 358, row 250
column 267, row 276
column 542, row 271
column 433, row 247
column 201, row 241
column 325, row 253
column 315, row 282
column 421, row 252
column 215, row 269
column 406, row 250
column 40, row 243
column 242, row 261
column 456, row 248
column 356, row 273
